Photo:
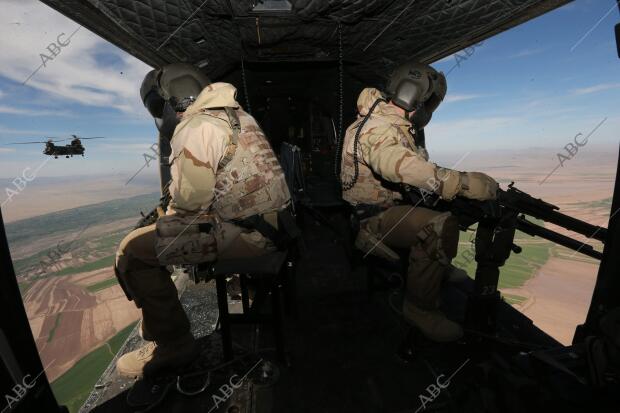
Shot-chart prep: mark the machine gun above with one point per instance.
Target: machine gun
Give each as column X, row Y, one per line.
column 497, row 222
column 516, row 202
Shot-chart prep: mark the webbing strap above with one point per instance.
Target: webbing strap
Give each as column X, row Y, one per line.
column 235, row 125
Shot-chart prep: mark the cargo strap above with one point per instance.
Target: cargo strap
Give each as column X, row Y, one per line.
column 282, row 236
column 235, row 125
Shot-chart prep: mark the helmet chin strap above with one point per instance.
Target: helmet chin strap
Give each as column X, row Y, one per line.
column 420, row 137
column 168, row 121
column 420, row 117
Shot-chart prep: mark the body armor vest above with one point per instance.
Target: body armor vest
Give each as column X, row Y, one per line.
column 251, row 181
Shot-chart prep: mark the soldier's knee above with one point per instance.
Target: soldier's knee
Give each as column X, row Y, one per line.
column 128, row 260
column 136, row 250
column 440, row 237
column 124, row 265
column 129, row 244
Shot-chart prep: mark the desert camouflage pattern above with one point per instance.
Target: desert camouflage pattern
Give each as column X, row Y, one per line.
column 186, row 239
column 251, row 183
column 388, row 155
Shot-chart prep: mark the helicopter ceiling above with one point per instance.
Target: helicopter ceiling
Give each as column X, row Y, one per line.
column 376, row 34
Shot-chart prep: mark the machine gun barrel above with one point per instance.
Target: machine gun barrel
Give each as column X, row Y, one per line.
column 524, row 203
column 532, row 229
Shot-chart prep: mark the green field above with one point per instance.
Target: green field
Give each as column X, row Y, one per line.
column 24, row 286
column 73, row 387
column 78, row 219
column 513, row 299
column 102, row 285
column 74, row 244
column 91, row 266
column 518, row 269
column 53, row 330
column 42, row 265
column 602, row 203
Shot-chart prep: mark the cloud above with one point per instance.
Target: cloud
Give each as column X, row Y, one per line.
column 526, row 53
column 460, row 98
column 137, row 149
column 25, row 132
column 77, row 72
column 596, row 88
column 4, row 150
column 33, row 112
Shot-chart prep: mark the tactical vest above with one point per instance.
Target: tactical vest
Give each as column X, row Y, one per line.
column 370, row 188
column 250, row 180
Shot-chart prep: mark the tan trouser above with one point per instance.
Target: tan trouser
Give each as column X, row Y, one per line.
column 150, row 285
column 432, row 239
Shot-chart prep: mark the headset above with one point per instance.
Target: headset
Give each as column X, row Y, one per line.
column 418, row 89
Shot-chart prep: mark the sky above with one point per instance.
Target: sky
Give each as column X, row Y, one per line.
column 537, row 85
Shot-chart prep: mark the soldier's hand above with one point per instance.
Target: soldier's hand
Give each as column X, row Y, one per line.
column 479, row 186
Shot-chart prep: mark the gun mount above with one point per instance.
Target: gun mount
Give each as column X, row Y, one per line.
column 498, row 220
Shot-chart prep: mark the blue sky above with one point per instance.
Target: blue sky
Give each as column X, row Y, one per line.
column 521, row 89
column 526, row 88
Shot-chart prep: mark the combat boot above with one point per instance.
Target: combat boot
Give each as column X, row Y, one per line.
column 432, row 323
column 153, row 359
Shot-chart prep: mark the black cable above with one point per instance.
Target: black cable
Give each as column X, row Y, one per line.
column 245, row 87
column 348, row 185
column 339, row 137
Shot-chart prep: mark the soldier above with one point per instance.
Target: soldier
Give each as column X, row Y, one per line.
column 380, row 155
column 222, row 166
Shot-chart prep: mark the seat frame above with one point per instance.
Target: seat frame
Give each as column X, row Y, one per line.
column 278, row 284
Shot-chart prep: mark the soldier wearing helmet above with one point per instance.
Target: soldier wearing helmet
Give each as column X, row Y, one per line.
column 223, row 168
column 382, row 152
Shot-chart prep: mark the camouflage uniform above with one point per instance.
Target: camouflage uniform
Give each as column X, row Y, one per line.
column 387, row 156
column 209, row 173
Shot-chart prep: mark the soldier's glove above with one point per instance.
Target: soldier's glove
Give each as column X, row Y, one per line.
column 478, row 186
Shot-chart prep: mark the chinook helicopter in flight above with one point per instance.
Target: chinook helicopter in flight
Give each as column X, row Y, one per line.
column 299, row 66
column 68, row 151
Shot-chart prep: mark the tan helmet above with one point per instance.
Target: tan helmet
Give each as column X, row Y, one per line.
column 181, row 83
column 415, row 86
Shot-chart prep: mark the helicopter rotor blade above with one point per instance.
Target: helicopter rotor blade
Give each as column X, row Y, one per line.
column 49, row 139
column 94, row 137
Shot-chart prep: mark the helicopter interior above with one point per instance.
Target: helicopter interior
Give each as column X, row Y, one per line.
column 299, row 66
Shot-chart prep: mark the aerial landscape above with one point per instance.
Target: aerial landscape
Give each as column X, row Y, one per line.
column 79, row 315
column 524, row 91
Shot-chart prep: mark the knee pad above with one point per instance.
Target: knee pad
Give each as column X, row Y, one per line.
column 442, row 237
